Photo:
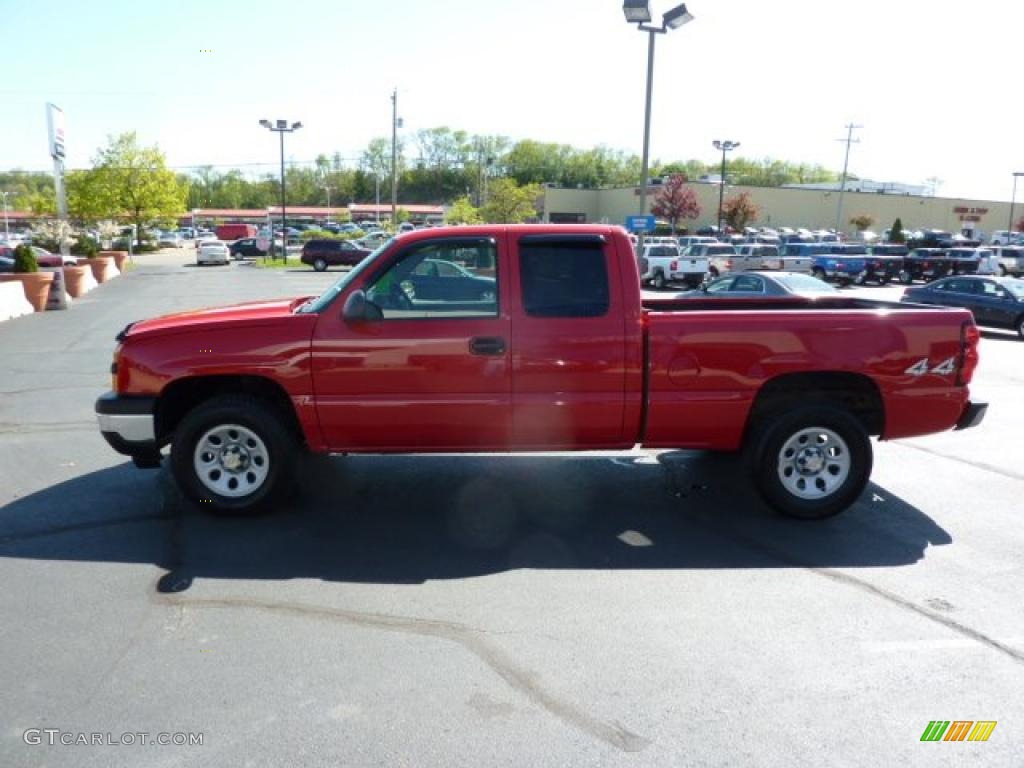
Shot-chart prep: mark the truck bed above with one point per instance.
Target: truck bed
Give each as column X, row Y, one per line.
column 772, row 303
column 707, row 359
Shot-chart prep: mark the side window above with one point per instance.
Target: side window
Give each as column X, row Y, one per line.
column 721, row 286
column 748, row 283
column 990, row 289
column 414, row 288
column 564, row 278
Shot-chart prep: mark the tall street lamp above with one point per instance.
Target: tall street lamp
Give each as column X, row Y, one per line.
column 6, row 226
column 396, row 123
column 327, row 188
column 724, row 146
column 281, row 127
column 639, row 12
column 1013, row 201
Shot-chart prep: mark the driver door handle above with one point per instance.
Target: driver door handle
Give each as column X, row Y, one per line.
column 487, row 345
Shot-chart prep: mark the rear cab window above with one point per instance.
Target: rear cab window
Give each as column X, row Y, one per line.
column 564, row 277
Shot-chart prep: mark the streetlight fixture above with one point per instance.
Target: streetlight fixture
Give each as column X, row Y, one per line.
column 281, row 127
column 1013, row 201
column 327, row 188
column 724, row 146
column 639, row 12
column 396, row 123
column 6, row 225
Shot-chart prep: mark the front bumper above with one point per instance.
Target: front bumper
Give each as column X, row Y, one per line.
column 972, row 415
column 128, row 424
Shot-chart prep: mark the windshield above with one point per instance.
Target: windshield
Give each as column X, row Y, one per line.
column 325, row 298
column 804, row 284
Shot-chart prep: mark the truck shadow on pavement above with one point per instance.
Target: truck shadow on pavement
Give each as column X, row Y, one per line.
column 406, row 520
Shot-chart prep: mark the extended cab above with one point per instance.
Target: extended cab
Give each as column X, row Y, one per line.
column 557, row 352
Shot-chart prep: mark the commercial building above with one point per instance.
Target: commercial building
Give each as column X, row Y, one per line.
column 787, row 206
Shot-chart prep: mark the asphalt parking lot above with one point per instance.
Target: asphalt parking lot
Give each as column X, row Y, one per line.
column 639, row 609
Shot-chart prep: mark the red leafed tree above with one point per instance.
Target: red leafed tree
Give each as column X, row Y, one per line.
column 740, row 210
column 675, row 201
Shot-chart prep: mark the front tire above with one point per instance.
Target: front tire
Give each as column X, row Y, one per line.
column 812, row 462
column 1020, row 327
column 320, row 265
column 233, row 455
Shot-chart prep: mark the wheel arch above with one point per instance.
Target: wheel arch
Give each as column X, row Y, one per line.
column 182, row 395
column 853, row 392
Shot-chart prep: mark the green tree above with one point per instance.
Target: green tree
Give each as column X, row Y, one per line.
column 128, row 180
column 462, row 211
column 509, row 203
column 739, row 210
column 896, row 233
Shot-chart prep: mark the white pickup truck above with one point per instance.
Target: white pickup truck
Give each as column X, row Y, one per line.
column 661, row 264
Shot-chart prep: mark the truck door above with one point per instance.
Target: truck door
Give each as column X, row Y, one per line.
column 428, row 373
column 569, row 343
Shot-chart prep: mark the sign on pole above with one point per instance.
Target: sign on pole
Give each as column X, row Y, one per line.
column 640, row 223
column 55, row 123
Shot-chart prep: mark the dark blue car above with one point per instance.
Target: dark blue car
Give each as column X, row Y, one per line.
column 997, row 302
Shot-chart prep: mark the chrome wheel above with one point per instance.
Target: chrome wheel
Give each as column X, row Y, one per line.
column 231, row 460
column 813, row 463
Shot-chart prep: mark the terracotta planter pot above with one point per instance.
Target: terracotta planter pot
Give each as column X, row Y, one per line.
column 102, row 267
column 35, row 284
column 74, row 279
column 120, row 257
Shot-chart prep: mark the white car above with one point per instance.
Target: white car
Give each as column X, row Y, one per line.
column 212, row 252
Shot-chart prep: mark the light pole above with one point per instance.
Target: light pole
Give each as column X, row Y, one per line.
column 376, row 184
column 1013, row 202
column 327, row 188
column 725, row 146
column 396, row 123
column 281, row 127
column 639, row 12
column 6, row 225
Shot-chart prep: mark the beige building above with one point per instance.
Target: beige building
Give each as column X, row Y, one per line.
column 811, row 208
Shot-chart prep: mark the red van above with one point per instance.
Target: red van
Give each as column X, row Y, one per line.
column 228, row 232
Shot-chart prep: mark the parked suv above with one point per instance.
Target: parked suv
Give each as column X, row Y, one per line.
column 321, row 254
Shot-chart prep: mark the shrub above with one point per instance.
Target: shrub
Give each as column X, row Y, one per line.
column 25, row 259
column 85, row 246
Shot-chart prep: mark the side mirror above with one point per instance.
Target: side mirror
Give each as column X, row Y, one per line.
column 359, row 309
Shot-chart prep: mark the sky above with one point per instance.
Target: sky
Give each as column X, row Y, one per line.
column 935, row 84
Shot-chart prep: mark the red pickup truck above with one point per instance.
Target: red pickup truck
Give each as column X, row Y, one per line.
column 533, row 338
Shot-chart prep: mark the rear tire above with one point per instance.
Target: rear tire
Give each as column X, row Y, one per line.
column 819, row 273
column 812, row 462
column 906, row 278
column 320, row 265
column 1020, row 327
column 234, row 455
column 659, row 280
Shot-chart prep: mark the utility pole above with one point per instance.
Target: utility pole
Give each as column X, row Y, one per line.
column 846, row 164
